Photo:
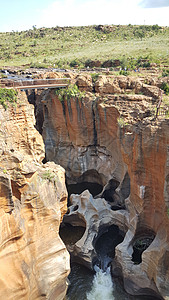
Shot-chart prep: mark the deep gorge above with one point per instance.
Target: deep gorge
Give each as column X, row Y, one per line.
column 116, row 178
column 111, row 162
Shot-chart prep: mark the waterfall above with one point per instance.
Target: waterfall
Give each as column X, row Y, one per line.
column 102, row 285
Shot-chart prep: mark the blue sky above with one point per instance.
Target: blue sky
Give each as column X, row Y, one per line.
column 23, row 14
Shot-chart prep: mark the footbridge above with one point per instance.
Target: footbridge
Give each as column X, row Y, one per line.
column 35, row 83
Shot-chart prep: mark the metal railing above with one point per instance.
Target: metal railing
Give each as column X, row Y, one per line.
column 161, row 111
column 35, row 83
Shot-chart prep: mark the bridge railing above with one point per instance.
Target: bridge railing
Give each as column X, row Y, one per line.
column 163, row 111
column 19, row 83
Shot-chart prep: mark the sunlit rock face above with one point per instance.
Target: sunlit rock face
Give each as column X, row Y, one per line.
column 34, row 262
column 82, row 136
column 129, row 164
column 147, row 156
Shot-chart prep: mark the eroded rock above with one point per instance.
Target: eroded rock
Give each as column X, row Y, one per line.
column 34, row 262
column 95, row 215
column 88, row 138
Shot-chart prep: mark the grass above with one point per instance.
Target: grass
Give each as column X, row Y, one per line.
column 73, row 46
column 48, row 175
column 121, row 122
column 7, row 96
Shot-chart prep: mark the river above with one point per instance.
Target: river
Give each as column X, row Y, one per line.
column 87, row 285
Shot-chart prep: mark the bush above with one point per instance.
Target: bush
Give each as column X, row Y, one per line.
column 144, row 62
column 71, row 91
column 74, row 63
column 123, row 72
column 165, row 73
column 94, row 76
column 48, row 175
column 165, row 87
column 88, row 63
column 7, row 95
column 156, row 27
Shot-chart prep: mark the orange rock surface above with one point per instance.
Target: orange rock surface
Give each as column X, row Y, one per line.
column 146, row 154
column 34, row 262
column 87, row 135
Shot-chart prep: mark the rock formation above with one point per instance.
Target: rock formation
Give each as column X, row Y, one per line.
column 34, row 262
column 95, row 216
column 111, row 139
column 75, row 145
column 146, row 154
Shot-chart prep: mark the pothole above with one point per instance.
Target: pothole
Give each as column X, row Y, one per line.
column 108, row 238
column 140, row 244
column 78, row 188
column 71, row 234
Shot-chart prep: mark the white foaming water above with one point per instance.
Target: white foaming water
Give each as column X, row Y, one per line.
column 102, row 286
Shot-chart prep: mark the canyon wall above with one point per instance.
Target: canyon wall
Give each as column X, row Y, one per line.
column 82, row 135
column 129, row 160
column 34, row 262
column 146, row 154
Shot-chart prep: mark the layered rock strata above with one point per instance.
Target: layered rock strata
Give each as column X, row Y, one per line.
column 34, row 262
column 129, row 161
column 146, row 154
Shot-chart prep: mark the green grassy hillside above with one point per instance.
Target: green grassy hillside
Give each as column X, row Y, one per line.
column 69, row 46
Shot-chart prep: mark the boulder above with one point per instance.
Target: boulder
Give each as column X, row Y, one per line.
column 84, row 83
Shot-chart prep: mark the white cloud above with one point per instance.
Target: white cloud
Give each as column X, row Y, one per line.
column 73, row 12
column 87, row 12
column 90, row 12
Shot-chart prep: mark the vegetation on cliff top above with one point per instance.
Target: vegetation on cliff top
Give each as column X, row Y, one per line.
column 72, row 91
column 7, row 96
column 77, row 46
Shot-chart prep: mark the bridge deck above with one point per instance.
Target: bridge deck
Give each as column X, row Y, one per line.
column 35, row 84
column 44, row 86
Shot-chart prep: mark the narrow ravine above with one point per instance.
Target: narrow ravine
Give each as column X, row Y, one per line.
column 107, row 161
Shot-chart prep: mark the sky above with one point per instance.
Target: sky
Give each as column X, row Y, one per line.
column 20, row 15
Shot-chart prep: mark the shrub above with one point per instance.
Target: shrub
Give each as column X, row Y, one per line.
column 123, row 72
column 7, row 95
column 121, row 122
column 48, row 175
column 72, row 91
column 156, row 27
column 124, row 62
column 165, row 73
column 88, row 63
column 139, row 34
column 165, row 87
column 95, row 77
column 74, row 63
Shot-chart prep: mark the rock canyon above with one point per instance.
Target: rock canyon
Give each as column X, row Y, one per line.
column 34, row 262
column 115, row 154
